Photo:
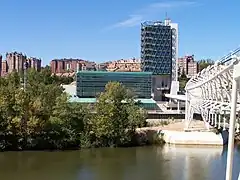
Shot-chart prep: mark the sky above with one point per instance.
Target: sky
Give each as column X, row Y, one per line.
column 104, row 30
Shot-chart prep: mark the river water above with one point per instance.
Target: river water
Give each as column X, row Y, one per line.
column 141, row 163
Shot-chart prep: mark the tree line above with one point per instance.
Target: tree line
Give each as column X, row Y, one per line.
column 40, row 116
column 182, row 77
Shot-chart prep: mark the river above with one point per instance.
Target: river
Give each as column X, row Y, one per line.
column 140, row 163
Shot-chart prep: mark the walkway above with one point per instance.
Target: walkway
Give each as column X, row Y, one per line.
column 209, row 92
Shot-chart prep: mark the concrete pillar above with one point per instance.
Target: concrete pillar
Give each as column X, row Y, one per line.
column 224, row 120
column 238, row 126
column 219, row 121
column 170, row 102
column 232, row 122
column 209, row 117
column 186, row 107
column 178, row 106
column 215, row 123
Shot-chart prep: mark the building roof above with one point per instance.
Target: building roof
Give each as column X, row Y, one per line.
column 146, row 101
column 70, row 89
column 177, row 97
column 83, row 100
column 94, row 100
column 107, row 72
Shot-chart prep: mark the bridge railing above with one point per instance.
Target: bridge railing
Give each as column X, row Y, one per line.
column 209, row 89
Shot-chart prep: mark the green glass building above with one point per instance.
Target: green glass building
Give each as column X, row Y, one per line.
column 91, row 83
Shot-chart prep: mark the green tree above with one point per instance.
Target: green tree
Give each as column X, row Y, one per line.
column 117, row 116
column 66, row 124
column 182, row 80
column 38, row 117
column 204, row 63
column 46, row 71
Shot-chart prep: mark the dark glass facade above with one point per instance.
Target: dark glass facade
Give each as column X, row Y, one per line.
column 92, row 83
column 156, row 48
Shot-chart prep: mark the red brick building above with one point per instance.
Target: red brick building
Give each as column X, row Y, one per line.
column 4, row 68
column 125, row 65
column 187, row 65
column 66, row 66
column 34, row 63
column 15, row 62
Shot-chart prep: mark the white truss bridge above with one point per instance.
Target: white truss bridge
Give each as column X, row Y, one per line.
column 209, row 93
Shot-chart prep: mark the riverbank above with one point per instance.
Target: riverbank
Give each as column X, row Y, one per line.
column 172, row 132
column 157, row 132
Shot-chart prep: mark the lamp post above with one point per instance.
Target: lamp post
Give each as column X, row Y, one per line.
column 235, row 84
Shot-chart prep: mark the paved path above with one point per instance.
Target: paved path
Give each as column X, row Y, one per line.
column 176, row 126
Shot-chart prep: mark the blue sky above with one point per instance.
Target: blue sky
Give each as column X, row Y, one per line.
column 109, row 30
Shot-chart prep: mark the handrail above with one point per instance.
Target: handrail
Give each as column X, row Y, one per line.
column 228, row 56
column 213, row 77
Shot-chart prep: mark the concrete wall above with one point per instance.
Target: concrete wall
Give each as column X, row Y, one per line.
column 161, row 84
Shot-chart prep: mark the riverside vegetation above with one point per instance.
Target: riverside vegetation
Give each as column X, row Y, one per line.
column 40, row 116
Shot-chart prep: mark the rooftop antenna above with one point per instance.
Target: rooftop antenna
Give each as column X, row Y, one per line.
column 166, row 16
column 167, row 20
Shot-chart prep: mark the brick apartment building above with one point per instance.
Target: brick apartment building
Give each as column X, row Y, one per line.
column 187, row 65
column 34, row 63
column 125, row 65
column 15, row 62
column 65, row 66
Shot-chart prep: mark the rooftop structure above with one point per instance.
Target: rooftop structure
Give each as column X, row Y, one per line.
column 148, row 104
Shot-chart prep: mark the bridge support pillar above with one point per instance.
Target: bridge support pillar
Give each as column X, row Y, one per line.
column 224, row 121
column 230, row 153
column 219, row 121
column 178, row 106
column 215, row 123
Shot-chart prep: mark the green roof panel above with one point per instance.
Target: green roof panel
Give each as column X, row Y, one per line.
column 94, row 100
column 119, row 73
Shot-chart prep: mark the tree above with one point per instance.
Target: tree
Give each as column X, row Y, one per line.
column 183, row 75
column 66, row 123
column 40, row 116
column 116, row 117
column 46, row 71
column 182, row 80
column 204, row 63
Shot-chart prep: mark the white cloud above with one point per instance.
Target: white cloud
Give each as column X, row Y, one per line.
column 173, row 4
column 134, row 20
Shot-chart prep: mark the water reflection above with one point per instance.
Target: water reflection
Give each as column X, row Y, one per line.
column 142, row 163
column 191, row 162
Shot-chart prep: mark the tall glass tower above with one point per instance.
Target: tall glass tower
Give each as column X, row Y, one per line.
column 156, row 48
column 159, row 53
column 159, row 47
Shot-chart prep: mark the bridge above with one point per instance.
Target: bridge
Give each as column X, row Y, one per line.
column 215, row 94
column 209, row 93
